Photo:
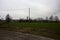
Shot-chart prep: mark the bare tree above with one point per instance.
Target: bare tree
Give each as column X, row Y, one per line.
column 56, row 18
column 8, row 19
column 46, row 18
column 51, row 18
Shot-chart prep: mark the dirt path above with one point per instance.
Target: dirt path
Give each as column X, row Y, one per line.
column 11, row 35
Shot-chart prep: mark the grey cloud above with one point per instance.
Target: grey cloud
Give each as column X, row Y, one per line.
column 41, row 7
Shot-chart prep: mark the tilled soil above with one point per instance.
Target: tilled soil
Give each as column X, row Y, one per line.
column 12, row 35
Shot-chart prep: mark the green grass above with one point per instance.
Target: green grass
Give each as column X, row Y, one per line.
column 51, row 30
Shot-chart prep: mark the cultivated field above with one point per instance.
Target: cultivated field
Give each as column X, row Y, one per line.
column 51, row 30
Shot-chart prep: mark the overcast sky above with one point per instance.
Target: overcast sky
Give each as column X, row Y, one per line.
column 39, row 8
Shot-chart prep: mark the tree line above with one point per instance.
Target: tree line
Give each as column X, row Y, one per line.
column 49, row 20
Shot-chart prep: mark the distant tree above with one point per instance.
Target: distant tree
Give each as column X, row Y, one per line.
column 51, row 18
column 1, row 19
column 8, row 19
column 27, row 17
column 46, row 18
column 56, row 18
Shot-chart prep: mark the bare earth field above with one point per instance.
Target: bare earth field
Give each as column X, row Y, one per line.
column 12, row 35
